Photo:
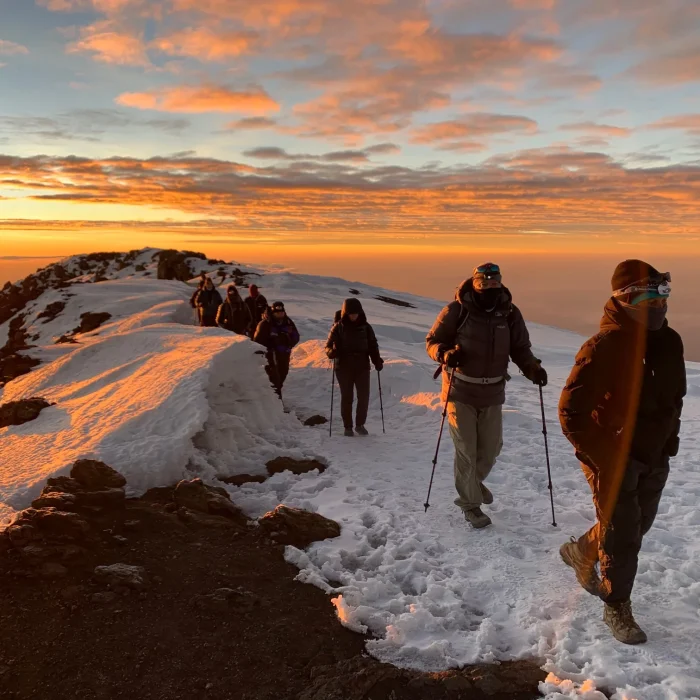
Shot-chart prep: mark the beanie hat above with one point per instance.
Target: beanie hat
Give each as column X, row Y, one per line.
column 488, row 271
column 630, row 272
column 277, row 306
column 253, row 290
column 351, row 306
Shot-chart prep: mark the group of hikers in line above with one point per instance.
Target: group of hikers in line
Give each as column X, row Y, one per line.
column 620, row 407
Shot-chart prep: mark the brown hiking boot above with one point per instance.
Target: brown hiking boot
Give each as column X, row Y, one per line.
column 486, row 495
column 619, row 619
column 477, row 518
column 584, row 569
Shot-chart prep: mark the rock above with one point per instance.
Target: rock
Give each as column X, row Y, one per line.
column 296, row 466
column 297, row 527
column 37, row 552
column 20, row 412
column 21, row 534
column 315, row 420
column 16, row 365
column 490, row 684
column 62, row 484
column 53, row 524
column 120, row 540
column 52, row 570
column 197, row 518
column 103, row 597
column 241, row 479
column 131, row 525
column 91, row 321
column 122, row 576
column 96, row 476
column 71, row 593
column 52, row 311
column 109, row 498
column 457, row 683
column 57, row 500
column 195, row 495
column 172, row 265
column 223, row 599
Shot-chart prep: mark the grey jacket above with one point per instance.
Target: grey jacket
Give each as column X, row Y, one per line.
column 488, row 341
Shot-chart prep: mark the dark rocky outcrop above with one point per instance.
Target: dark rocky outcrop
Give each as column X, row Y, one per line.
column 315, row 420
column 94, row 475
column 196, row 496
column 297, row 527
column 296, row 466
column 91, row 321
column 395, row 302
column 241, row 479
column 173, row 265
column 20, row 412
column 52, row 311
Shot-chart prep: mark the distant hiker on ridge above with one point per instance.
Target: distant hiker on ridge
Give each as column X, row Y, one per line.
column 352, row 344
column 200, row 284
column 279, row 335
column 621, row 410
column 233, row 314
column 475, row 336
column 257, row 305
column 208, row 301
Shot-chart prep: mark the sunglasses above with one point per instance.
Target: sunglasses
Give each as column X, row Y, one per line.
column 489, row 269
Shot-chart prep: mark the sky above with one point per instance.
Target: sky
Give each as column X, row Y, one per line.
column 331, row 132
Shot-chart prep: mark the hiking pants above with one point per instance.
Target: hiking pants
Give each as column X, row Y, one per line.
column 207, row 321
column 349, row 379
column 277, row 369
column 623, row 518
column 477, row 434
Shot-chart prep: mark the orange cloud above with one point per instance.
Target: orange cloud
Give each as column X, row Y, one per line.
column 199, row 99
column 475, row 125
column 671, row 68
column 110, row 46
column 206, row 44
column 9, row 48
column 601, row 130
column 682, row 122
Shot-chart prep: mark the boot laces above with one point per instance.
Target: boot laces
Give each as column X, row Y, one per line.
column 624, row 613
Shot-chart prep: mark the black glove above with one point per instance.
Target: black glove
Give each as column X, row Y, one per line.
column 379, row 365
column 452, row 357
column 672, row 446
column 331, row 353
column 539, row 376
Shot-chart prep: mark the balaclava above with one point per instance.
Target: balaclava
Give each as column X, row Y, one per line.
column 351, row 306
column 643, row 282
column 487, row 297
column 253, row 290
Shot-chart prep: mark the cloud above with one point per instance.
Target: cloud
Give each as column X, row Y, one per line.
column 9, row 48
column 600, row 130
column 462, row 133
column 252, row 123
column 109, row 45
column 349, row 156
column 523, row 190
column 681, row 122
column 206, row 44
column 670, row 68
column 197, row 99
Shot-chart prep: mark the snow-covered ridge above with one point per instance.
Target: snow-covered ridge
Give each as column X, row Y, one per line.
column 158, row 398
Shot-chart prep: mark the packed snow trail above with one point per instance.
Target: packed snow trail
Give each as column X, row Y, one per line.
column 161, row 400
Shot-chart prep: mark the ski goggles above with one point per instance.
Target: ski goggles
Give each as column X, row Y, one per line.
column 487, row 276
column 656, row 287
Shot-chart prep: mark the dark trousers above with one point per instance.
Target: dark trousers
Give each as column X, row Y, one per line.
column 349, row 379
column 624, row 516
column 207, row 321
column 277, row 369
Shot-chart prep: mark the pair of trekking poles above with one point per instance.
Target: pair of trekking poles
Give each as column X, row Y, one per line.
column 381, row 400
column 442, row 425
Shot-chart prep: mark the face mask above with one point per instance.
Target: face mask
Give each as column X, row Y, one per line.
column 488, row 298
column 652, row 317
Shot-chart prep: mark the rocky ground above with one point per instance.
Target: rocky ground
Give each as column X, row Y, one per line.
column 177, row 596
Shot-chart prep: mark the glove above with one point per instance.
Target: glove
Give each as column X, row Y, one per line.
column 331, row 353
column 453, row 357
column 672, row 446
column 379, row 365
column 539, row 376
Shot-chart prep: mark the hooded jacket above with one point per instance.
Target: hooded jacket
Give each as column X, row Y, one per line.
column 208, row 300
column 353, row 344
column 234, row 315
column 257, row 305
column 277, row 336
column 488, row 340
column 624, row 395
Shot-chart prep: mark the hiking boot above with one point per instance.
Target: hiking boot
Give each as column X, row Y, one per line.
column 348, row 432
column 361, row 430
column 486, row 495
column 584, row 569
column 619, row 619
column 477, row 518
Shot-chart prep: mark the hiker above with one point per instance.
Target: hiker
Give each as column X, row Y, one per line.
column 621, row 409
column 279, row 335
column 233, row 314
column 193, row 299
column 352, row 344
column 208, row 301
column 474, row 336
column 256, row 303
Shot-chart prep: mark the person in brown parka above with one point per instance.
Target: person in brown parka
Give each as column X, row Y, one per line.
column 621, row 410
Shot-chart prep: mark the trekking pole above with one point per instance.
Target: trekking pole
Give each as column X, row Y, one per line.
column 381, row 402
column 437, row 449
column 330, row 426
column 546, row 449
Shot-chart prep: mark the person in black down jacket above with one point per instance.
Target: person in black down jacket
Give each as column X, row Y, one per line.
column 621, row 411
column 279, row 335
column 352, row 344
column 207, row 302
column 257, row 305
column 234, row 314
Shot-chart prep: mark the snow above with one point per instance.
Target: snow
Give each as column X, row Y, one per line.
column 159, row 400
